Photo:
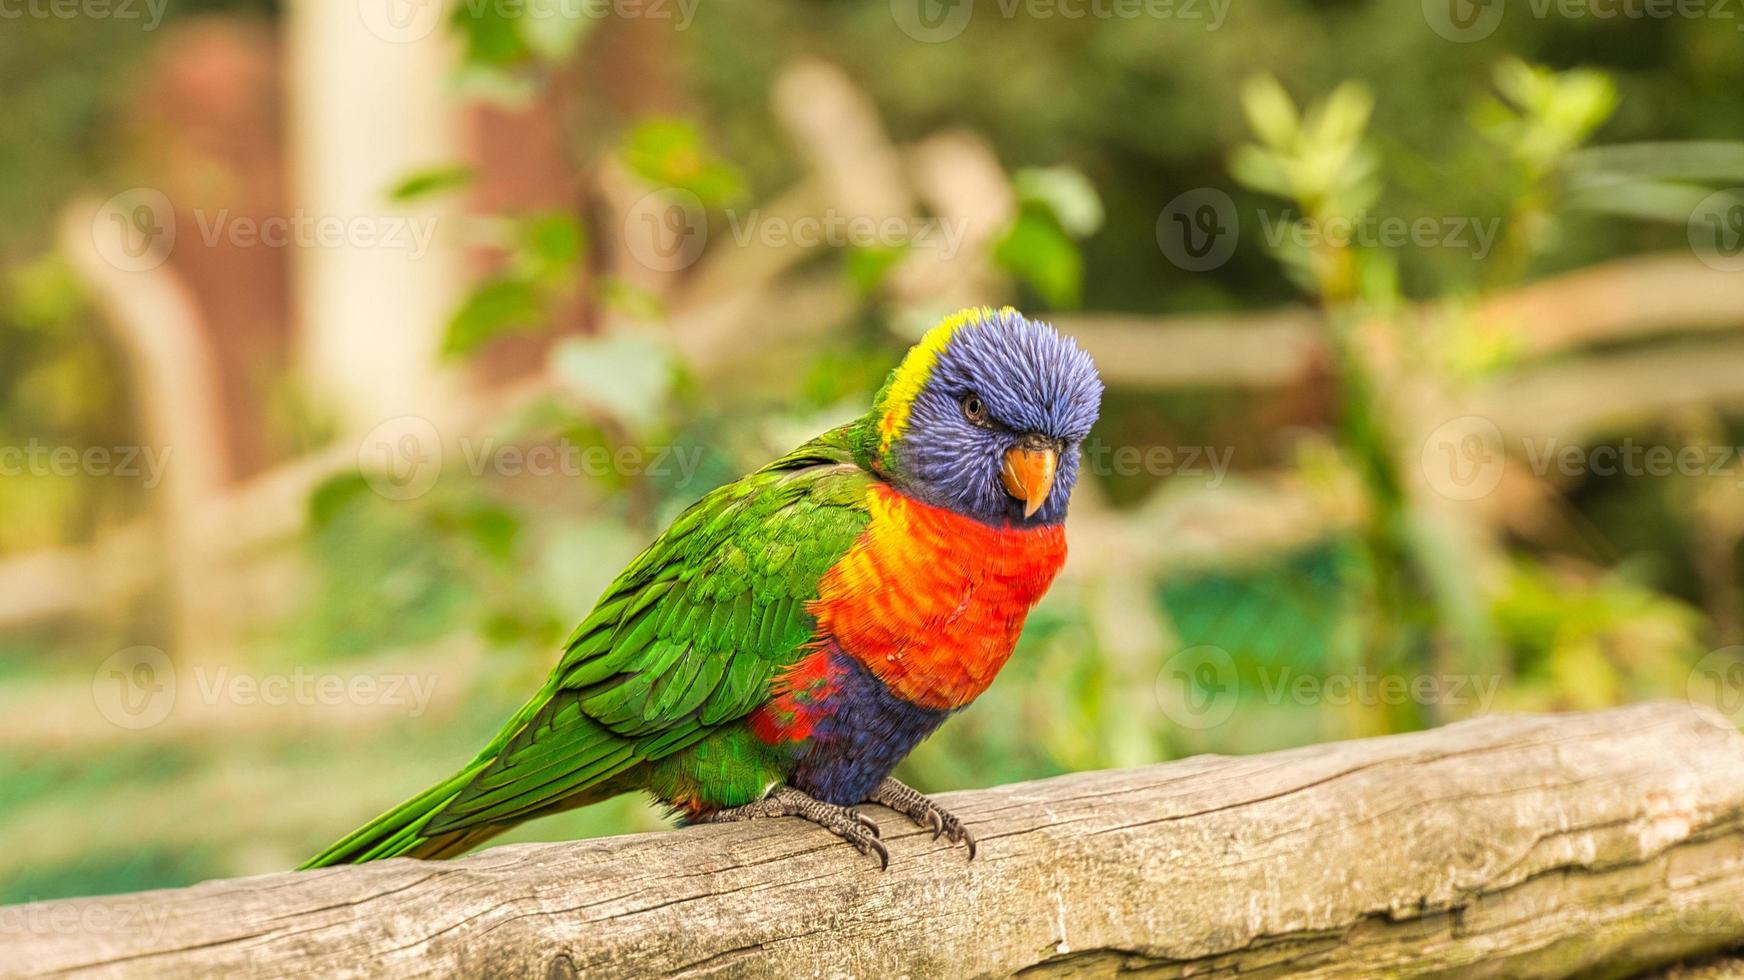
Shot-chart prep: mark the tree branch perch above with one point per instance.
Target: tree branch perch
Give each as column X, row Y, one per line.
column 1506, row 846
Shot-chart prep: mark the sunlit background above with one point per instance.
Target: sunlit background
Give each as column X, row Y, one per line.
column 349, row 347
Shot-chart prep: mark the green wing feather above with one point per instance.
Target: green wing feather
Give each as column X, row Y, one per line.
column 687, row 639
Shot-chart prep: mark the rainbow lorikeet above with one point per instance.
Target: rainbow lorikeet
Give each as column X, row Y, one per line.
column 794, row 634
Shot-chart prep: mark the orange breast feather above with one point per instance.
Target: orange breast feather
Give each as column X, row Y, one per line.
column 932, row 602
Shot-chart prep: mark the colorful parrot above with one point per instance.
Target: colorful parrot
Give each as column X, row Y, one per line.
column 794, row 634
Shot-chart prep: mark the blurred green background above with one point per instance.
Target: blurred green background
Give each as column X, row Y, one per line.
column 398, row 328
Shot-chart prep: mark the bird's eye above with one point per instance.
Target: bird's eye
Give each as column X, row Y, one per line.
column 974, row 409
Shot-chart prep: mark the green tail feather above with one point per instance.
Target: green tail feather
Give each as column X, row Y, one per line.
column 397, row 832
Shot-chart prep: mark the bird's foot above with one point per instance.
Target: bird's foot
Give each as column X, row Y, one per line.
column 915, row 806
column 785, row 801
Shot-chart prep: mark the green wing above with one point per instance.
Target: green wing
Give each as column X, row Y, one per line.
column 687, row 639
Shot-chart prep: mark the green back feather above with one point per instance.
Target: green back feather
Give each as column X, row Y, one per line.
column 686, row 640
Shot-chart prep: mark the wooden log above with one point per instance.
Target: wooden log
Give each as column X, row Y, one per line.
column 1519, row 846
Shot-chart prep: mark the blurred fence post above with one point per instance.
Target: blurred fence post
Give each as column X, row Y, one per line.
column 156, row 323
column 370, row 102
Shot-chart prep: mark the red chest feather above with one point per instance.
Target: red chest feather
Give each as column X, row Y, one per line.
column 931, row 602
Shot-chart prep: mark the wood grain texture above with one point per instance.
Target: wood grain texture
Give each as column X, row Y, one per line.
column 1594, row 844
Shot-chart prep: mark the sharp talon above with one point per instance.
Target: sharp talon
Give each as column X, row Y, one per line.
column 924, row 812
column 847, row 823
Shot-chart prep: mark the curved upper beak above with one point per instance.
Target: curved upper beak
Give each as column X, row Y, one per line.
column 1028, row 473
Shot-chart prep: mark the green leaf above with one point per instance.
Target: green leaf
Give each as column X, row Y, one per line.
column 1064, row 191
column 629, row 299
column 1038, row 251
column 434, row 180
column 868, row 267
column 628, row 373
column 1583, row 100
column 493, row 529
column 1720, row 161
column 671, row 153
column 494, row 308
column 1547, row 113
column 493, row 36
column 554, row 242
column 46, row 294
column 1650, row 200
column 1269, row 111
column 1342, row 118
column 1521, row 83
column 553, row 28
column 495, row 86
column 508, row 627
column 1260, row 170
column 334, row 496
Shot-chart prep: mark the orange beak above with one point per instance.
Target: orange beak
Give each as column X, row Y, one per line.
column 1028, row 474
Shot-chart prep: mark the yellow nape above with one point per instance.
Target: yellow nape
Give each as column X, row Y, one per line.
column 917, row 365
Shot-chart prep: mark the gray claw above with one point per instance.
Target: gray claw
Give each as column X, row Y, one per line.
column 851, row 825
column 866, row 822
column 924, row 812
column 872, row 845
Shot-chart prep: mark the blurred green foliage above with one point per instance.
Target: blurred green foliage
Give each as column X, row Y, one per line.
column 671, row 153
column 543, row 253
column 1056, row 207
